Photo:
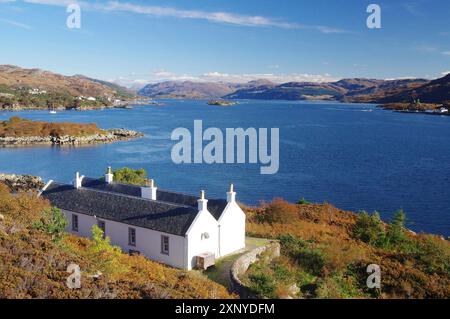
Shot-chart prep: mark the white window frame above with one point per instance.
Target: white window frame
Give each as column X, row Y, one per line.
column 131, row 233
column 165, row 250
column 75, row 224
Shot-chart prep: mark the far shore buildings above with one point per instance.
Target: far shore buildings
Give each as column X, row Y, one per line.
column 176, row 229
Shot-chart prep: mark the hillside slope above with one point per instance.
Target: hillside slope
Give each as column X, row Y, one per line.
column 37, row 89
column 187, row 90
column 34, row 260
column 76, row 85
column 326, row 251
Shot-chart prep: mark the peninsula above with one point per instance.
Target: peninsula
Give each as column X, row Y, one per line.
column 19, row 132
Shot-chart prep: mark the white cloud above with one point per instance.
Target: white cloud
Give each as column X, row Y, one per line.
column 446, row 53
column 16, row 24
column 425, row 48
column 163, row 75
column 217, row 17
column 277, row 78
column 445, row 73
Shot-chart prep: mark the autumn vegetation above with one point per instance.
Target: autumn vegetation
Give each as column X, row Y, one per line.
column 325, row 252
column 35, row 253
column 18, row 127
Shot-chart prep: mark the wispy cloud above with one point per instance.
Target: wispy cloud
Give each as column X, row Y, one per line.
column 446, row 53
column 15, row 23
column 425, row 48
column 216, row 17
column 163, row 75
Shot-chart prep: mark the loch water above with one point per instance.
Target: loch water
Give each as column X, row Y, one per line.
column 355, row 156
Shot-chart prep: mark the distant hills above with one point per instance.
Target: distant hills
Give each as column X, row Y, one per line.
column 26, row 88
column 14, row 77
column 357, row 90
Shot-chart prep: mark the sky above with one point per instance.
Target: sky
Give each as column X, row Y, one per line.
column 134, row 42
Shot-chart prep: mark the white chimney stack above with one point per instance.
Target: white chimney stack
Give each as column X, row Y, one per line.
column 149, row 190
column 231, row 195
column 77, row 183
column 202, row 202
column 109, row 176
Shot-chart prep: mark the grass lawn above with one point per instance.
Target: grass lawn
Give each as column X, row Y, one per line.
column 220, row 273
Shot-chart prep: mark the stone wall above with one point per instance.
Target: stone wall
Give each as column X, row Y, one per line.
column 242, row 264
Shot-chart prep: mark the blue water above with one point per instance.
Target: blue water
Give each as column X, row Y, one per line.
column 356, row 157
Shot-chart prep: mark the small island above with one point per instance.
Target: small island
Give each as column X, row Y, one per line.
column 20, row 132
column 418, row 107
column 221, row 102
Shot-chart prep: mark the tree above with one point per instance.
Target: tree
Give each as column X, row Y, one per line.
column 131, row 176
column 396, row 233
column 52, row 222
column 369, row 228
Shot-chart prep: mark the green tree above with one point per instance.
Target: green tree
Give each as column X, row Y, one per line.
column 52, row 222
column 130, row 176
column 396, row 233
column 302, row 201
column 369, row 228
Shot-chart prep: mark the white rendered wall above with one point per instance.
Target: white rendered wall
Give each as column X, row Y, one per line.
column 148, row 242
column 232, row 229
column 203, row 223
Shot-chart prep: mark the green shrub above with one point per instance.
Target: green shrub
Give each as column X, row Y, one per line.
column 433, row 254
column 303, row 201
column 303, row 253
column 396, row 233
column 262, row 284
column 52, row 222
column 130, row 176
column 369, row 229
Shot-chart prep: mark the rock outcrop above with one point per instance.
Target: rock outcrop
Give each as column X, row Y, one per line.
column 21, row 182
column 107, row 137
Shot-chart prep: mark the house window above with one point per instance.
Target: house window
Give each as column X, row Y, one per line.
column 131, row 236
column 74, row 222
column 102, row 226
column 165, row 245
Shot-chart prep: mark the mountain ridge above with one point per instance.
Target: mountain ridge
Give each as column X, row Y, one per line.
column 355, row 90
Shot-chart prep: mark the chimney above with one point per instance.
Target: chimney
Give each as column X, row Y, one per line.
column 231, row 195
column 109, row 176
column 202, row 202
column 149, row 190
column 77, row 183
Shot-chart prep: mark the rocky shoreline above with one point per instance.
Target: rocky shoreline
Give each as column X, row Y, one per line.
column 21, row 182
column 108, row 136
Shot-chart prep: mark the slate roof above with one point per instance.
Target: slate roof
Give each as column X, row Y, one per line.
column 172, row 213
column 215, row 206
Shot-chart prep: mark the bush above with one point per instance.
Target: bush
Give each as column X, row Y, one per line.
column 311, row 259
column 434, row 254
column 302, row 201
column 130, row 176
column 262, row 284
column 369, row 228
column 279, row 211
column 53, row 222
column 396, row 233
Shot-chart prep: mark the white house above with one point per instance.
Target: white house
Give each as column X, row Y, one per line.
column 165, row 226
